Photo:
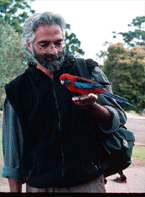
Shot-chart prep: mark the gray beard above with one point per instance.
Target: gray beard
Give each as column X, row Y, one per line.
column 50, row 65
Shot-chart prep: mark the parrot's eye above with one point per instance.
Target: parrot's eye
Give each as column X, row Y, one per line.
column 67, row 82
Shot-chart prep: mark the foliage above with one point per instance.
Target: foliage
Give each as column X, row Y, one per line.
column 139, row 152
column 13, row 58
column 102, row 55
column 131, row 38
column 11, row 12
column 125, row 68
column 136, row 37
column 72, row 43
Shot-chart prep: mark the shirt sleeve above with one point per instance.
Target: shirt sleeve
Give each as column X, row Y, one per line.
column 118, row 115
column 12, row 143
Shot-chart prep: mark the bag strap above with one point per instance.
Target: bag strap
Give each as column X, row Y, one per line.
column 82, row 68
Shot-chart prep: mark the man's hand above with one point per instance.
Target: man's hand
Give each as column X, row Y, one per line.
column 85, row 100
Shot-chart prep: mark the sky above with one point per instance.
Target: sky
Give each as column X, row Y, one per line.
column 94, row 20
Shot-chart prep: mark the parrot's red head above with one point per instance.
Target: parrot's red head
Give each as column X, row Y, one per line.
column 65, row 79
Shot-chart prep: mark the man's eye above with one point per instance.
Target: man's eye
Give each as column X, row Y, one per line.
column 44, row 45
column 58, row 44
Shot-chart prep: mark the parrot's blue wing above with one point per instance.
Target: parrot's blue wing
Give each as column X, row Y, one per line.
column 85, row 86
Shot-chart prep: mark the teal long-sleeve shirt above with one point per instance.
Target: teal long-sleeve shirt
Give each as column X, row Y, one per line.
column 12, row 143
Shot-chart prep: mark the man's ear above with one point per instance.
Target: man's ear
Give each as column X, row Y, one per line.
column 29, row 45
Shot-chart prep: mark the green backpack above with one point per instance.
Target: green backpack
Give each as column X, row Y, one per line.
column 119, row 144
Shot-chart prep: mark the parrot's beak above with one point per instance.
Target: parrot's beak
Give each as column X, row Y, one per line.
column 62, row 82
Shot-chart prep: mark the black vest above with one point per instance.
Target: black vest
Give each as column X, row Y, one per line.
column 58, row 135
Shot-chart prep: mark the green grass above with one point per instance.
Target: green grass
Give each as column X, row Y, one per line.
column 0, row 142
column 1, row 112
column 139, row 153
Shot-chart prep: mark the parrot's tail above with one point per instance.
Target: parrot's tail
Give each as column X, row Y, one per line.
column 118, row 98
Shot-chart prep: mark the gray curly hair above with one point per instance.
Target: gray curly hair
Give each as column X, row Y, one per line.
column 37, row 20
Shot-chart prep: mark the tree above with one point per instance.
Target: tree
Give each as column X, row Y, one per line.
column 13, row 59
column 125, row 68
column 131, row 38
column 11, row 12
column 136, row 37
column 72, row 43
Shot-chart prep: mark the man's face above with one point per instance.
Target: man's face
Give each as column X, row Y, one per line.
column 46, row 48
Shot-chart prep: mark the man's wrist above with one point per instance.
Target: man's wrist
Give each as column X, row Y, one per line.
column 15, row 186
column 90, row 107
column 101, row 113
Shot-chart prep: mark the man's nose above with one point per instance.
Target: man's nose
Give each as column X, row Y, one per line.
column 53, row 50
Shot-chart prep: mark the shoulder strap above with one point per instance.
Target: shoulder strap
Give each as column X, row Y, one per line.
column 82, row 68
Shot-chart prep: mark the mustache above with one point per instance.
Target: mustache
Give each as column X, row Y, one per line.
column 51, row 56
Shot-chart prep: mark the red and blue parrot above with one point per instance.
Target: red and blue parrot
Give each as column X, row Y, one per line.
column 85, row 86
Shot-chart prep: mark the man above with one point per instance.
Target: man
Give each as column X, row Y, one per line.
column 48, row 131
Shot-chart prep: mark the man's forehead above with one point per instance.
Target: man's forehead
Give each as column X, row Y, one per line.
column 45, row 29
column 48, row 33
